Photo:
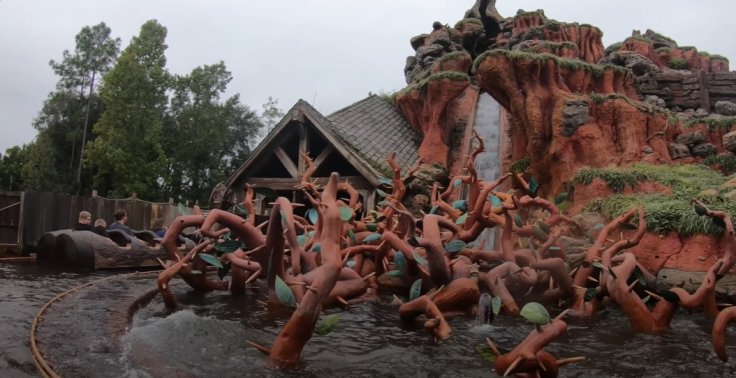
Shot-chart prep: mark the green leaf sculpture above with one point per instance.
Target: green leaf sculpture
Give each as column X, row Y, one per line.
column 416, row 290
column 455, row 246
column 533, row 187
column 590, row 294
column 457, row 182
column 544, row 226
column 400, row 261
column 495, row 201
column 419, row 258
column 539, row 232
column 560, row 198
column 433, row 210
column 461, row 219
column 639, row 275
column 228, row 246
column 518, row 221
column 386, row 181
column 327, row 324
column 313, row 215
column 316, row 247
column 346, row 214
column 670, row 296
column 700, row 209
column 372, row 237
column 302, row 240
column 396, row 273
column 381, row 193
column 209, row 259
column 222, row 272
column 535, row 313
column 461, row 205
column 718, row 222
column 496, row 305
column 284, row 293
column 487, row 354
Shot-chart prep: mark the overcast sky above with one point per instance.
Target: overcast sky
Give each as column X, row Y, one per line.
column 330, row 53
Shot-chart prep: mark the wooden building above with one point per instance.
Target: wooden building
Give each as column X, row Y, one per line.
column 354, row 141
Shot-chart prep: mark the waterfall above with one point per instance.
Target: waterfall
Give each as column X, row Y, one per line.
column 488, row 164
column 485, row 309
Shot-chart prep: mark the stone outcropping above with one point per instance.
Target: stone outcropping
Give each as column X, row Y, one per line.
column 570, row 104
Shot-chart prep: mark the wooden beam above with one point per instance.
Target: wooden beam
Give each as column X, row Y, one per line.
column 281, row 183
column 303, row 148
column 322, row 156
column 286, row 161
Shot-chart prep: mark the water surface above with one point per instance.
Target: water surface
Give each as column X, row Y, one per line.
column 208, row 336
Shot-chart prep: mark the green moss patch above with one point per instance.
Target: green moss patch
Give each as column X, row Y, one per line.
column 466, row 21
column 727, row 163
column 452, row 56
column 664, row 213
column 571, row 64
column 713, row 123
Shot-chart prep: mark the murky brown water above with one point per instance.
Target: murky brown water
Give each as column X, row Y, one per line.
column 207, row 337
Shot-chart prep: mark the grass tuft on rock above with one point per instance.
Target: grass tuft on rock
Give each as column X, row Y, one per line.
column 664, row 213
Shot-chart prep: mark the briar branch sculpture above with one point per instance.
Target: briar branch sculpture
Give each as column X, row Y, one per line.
column 328, row 257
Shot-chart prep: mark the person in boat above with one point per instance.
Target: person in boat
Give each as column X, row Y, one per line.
column 84, row 222
column 100, row 227
column 158, row 227
column 120, row 218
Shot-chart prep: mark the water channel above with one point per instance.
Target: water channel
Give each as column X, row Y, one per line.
column 207, row 337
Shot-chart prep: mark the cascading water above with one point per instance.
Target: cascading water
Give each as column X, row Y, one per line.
column 488, row 163
column 485, row 309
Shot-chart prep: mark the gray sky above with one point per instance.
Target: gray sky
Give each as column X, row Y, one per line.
column 328, row 52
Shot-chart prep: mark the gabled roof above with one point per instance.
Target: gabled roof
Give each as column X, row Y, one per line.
column 364, row 133
column 372, row 129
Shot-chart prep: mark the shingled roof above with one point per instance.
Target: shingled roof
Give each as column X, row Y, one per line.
column 371, row 129
column 366, row 132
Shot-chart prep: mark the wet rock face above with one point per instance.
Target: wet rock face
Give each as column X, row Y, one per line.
column 729, row 141
column 703, row 150
column 726, row 108
column 678, row 151
column 570, row 100
column 429, row 49
column 639, row 64
column 574, row 116
column 486, row 12
column 691, row 138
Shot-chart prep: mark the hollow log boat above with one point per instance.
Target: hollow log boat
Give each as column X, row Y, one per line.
column 86, row 250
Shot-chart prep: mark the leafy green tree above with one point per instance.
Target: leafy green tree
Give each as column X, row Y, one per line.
column 128, row 153
column 62, row 123
column 271, row 114
column 209, row 137
column 11, row 167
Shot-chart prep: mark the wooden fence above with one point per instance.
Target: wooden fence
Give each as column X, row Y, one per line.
column 25, row 216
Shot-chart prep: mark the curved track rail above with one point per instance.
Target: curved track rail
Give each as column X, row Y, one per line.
column 44, row 369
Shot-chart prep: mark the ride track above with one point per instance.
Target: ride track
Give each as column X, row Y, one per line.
column 38, row 358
